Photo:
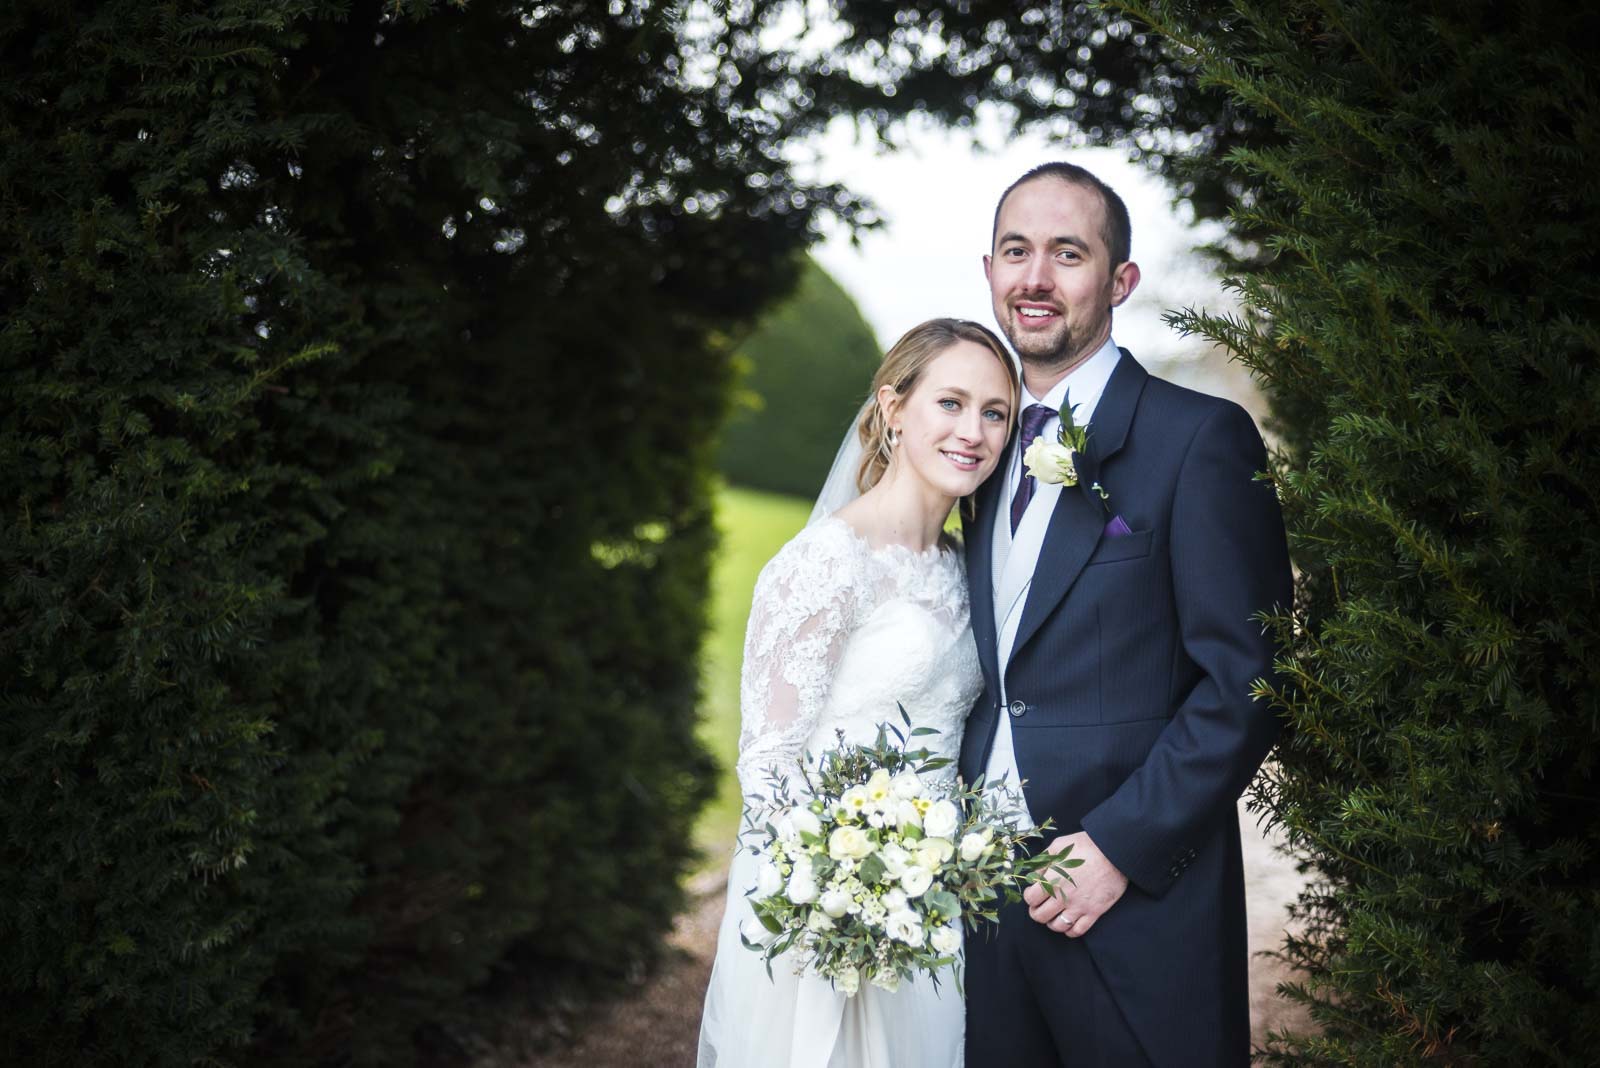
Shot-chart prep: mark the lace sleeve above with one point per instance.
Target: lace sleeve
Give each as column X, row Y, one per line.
column 800, row 618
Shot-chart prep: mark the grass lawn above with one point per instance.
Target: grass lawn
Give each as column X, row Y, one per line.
column 754, row 526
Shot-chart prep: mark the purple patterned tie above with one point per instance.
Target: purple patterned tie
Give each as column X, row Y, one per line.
column 1034, row 417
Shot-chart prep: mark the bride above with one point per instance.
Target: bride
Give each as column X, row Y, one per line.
column 865, row 608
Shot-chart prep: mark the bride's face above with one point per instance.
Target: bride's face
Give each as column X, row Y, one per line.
column 954, row 423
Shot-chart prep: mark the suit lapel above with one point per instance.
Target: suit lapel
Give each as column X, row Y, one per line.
column 1077, row 522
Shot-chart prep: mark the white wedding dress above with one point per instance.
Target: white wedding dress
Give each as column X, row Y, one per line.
column 839, row 633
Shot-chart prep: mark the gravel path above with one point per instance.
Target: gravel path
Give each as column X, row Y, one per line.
column 657, row 1026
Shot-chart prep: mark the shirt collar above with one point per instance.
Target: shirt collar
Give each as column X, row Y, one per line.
column 1086, row 382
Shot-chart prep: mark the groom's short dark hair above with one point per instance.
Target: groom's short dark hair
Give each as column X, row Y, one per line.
column 1118, row 230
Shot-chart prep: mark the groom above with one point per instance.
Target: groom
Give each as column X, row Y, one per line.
column 1116, row 624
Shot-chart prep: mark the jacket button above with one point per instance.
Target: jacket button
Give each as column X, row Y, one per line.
column 1018, row 708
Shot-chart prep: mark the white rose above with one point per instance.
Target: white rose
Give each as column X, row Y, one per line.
column 973, row 843
column 848, row 843
column 916, row 880
column 942, row 820
column 895, row 900
column 907, row 785
column 802, row 888
column 904, row 926
column 1050, row 461
column 768, row 880
column 848, row 982
column 804, row 820
column 819, row 921
column 835, row 902
column 945, row 940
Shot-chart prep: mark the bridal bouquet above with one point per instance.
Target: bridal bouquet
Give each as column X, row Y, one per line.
column 873, row 872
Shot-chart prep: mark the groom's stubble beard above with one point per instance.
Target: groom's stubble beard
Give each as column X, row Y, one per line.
column 1053, row 357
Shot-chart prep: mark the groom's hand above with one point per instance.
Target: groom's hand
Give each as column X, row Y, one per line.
column 1074, row 906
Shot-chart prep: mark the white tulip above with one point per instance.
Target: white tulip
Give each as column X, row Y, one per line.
column 753, row 932
column 804, row 820
column 906, row 814
column 933, row 852
column 768, row 880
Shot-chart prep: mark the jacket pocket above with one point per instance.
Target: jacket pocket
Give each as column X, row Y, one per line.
column 1128, row 547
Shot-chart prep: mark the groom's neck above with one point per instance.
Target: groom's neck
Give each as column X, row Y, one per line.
column 1041, row 377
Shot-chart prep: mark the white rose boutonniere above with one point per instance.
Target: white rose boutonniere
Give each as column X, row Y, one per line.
column 1057, row 461
column 1050, row 461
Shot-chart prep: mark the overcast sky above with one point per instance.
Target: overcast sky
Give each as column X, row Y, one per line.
column 938, row 197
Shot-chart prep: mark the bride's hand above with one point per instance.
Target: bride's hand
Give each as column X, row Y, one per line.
column 1076, row 903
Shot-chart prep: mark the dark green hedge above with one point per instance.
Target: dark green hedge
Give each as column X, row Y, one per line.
column 806, row 369
column 1430, row 328
column 360, row 365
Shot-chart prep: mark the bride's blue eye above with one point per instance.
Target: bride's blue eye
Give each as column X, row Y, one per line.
column 948, row 404
column 994, row 415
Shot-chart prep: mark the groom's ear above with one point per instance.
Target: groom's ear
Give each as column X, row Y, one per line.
column 1124, row 280
column 986, row 267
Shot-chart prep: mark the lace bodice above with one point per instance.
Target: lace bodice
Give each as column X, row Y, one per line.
column 839, row 633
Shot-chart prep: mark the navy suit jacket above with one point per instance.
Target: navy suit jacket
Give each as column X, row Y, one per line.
column 1129, row 692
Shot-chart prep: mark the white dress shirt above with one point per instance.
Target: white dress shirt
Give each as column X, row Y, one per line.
column 1015, row 556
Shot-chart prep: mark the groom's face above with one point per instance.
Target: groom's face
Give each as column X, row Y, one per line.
column 1050, row 273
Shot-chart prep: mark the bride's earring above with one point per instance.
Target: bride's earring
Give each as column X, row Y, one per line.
column 893, row 437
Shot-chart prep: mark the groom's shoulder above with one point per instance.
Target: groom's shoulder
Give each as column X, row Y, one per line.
column 1168, row 400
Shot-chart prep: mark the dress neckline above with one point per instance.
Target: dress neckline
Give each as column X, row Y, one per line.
column 931, row 553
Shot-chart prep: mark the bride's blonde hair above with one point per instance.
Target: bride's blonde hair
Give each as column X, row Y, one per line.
column 902, row 366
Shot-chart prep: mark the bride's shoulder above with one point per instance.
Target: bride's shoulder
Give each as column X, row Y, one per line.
column 826, row 553
column 828, row 540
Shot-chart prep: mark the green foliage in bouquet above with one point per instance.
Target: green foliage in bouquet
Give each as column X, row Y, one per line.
column 1429, row 330
column 874, row 866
